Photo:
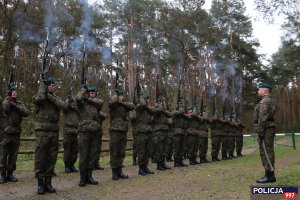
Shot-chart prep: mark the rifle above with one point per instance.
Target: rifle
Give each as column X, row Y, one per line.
column 71, row 83
column 138, row 89
column 12, row 71
column 224, row 108
column 44, row 70
column 83, row 78
column 157, row 89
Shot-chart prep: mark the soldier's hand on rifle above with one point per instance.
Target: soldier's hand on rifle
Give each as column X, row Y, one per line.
column 261, row 136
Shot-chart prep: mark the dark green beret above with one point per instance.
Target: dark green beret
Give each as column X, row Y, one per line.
column 146, row 95
column 190, row 107
column 12, row 86
column 264, row 85
column 50, row 80
column 119, row 92
column 91, row 89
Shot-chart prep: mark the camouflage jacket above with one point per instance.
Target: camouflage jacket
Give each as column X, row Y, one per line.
column 233, row 129
column 226, row 128
column 2, row 117
column 144, row 115
column 216, row 127
column 70, row 119
column 193, row 125
column 239, row 131
column 102, row 117
column 203, row 127
column 14, row 112
column 89, row 112
column 263, row 114
column 180, row 122
column 47, row 109
column 118, row 112
column 161, row 120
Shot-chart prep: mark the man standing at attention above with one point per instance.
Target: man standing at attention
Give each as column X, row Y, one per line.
column 264, row 125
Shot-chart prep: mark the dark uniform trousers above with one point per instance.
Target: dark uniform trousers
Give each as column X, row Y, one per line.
column 202, row 146
column 46, row 151
column 192, row 145
column 117, row 147
column 70, row 149
column 134, row 146
column 239, row 144
column 100, row 146
column 178, row 147
column 231, row 145
column 215, row 145
column 88, row 149
column 225, row 140
column 160, row 143
column 169, row 148
column 144, row 142
column 269, row 134
column 9, row 152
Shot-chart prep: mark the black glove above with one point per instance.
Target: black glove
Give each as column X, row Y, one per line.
column 261, row 136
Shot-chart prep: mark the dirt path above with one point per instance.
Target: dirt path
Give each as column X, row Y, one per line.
column 220, row 180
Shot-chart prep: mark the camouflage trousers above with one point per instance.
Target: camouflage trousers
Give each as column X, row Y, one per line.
column 231, row 145
column 9, row 152
column 269, row 134
column 134, row 147
column 88, row 143
column 143, row 144
column 215, row 145
column 100, row 147
column 169, row 148
column 192, row 145
column 239, row 144
column 70, row 149
column 46, row 150
column 117, row 147
column 178, row 147
column 225, row 145
column 202, row 146
column 160, row 143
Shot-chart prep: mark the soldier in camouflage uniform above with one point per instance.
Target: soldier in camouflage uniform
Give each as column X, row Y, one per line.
column 89, row 107
column 192, row 134
column 47, row 110
column 14, row 111
column 180, row 121
column 70, row 142
column 118, row 110
column 101, row 119
column 2, row 121
column 203, row 138
column 225, row 137
column 216, row 132
column 160, row 134
column 239, row 139
column 264, row 125
column 144, row 113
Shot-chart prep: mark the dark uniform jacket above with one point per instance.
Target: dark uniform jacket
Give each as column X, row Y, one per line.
column 89, row 112
column 143, row 119
column 119, row 115
column 161, row 120
column 14, row 112
column 47, row 111
column 70, row 119
column 216, row 127
column 180, row 122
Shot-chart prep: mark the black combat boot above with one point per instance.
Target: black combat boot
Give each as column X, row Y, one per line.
column 177, row 164
column 10, row 177
column 68, row 169
column 147, row 170
column 98, row 167
column 121, row 174
column 73, row 169
column 48, row 185
column 268, row 178
column 191, row 161
column 90, row 179
column 160, row 166
column 225, row 158
column 142, row 170
column 41, row 186
column 239, row 155
column 165, row 166
column 82, row 181
column 114, row 173
column 215, row 158
column 3, row 178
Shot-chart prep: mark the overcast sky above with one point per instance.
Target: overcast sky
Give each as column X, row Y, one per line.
column 267, row 34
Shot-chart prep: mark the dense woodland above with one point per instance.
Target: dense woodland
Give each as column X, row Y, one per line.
column 209, row 56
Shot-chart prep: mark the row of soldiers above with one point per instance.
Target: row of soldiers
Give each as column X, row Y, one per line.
column 155, row 129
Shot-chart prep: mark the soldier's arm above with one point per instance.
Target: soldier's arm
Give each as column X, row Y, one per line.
column 21, row 109
column 6, row 105
column 150, row 109
column 128, row 105
column 41, row 95
column 56, row 101
column 96, row 102
column 81, row 95
column 264, row 114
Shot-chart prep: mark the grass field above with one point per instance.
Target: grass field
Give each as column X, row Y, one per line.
column 218, row 180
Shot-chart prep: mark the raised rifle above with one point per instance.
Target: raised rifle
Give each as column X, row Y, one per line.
column 138, row 89
column 157, row 92
column 12, row 72
column 44, row 71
